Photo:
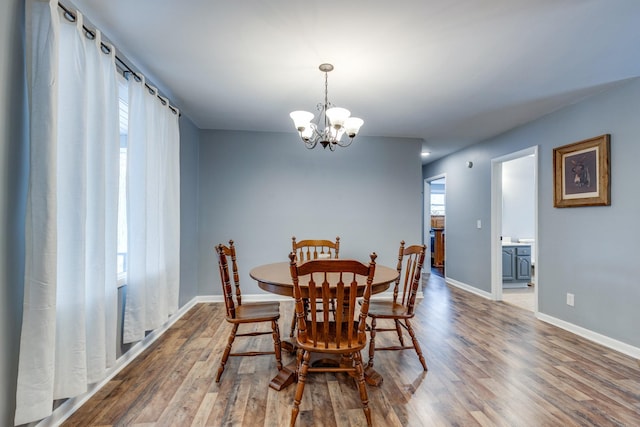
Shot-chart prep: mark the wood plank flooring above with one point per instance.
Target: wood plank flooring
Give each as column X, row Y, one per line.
column 490, row 364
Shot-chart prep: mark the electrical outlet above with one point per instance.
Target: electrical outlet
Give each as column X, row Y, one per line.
column 570, row 299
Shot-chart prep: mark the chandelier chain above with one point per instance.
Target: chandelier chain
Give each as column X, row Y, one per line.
column 326, row 97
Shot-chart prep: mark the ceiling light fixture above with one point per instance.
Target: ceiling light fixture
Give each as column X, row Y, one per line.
column 336, row 121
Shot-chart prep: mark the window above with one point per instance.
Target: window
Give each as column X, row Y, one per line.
column 123, row 93
column 437, row 204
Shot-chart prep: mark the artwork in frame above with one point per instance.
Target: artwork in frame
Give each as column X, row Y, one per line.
column 581, row 174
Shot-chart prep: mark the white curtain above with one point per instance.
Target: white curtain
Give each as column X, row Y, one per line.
column 69, row 321
column 153, row 212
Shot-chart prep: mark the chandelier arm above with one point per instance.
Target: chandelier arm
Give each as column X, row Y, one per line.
column 341, row 144
column 311, row 144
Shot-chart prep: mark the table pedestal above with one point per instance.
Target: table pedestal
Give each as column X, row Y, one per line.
column 289, row 374
column 286, row 376
column 372, row 377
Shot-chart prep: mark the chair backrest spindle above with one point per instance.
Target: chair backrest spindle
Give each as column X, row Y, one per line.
column 224, row 254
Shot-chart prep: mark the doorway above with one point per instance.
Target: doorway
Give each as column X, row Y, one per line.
column 514, row 225
column 434, row 222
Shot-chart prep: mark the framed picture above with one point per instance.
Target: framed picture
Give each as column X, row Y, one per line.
column 581, row 173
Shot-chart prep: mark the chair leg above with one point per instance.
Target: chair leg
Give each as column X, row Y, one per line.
column 416, row 344
column 293, row 325
column 276, row 343
column 399, row 331
column 362, row 387
column 227, row 351
column 302, row 376
column 372, row 341
column 299, row 354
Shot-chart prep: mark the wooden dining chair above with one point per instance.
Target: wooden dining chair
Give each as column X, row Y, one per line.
column 309, row 249
column 345, row 336
column 239, row 313
column 401, row 308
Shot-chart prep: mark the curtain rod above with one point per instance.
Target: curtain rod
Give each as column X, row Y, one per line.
column 70, row 16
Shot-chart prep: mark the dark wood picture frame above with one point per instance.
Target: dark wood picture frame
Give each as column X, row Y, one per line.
column 581, row 175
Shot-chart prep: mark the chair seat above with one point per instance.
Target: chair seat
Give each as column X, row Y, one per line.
column 333, row 345
column 256, row 312
column 388, row 309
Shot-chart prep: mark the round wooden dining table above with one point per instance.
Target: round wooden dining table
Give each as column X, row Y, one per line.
column 276, row 278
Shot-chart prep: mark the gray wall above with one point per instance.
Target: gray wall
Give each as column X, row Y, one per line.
column 13, row 169
column 587, row 251
column 259, row 189
column 189, row 143
column 468, row 196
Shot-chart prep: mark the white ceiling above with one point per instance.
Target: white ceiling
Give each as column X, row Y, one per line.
column 451, row 72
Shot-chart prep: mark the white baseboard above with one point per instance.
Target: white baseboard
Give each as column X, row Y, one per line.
column 469, row 288
column 66, row 409
column 585, row 333
column 604, row 340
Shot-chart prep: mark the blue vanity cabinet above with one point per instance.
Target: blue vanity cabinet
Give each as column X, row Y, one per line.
column 508, row 263
column 516, row 265
column 523, row 263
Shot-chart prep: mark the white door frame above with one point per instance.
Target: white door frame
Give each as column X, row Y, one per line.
column 496, row 221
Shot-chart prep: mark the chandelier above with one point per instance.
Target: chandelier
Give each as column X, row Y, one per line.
column 336, row 121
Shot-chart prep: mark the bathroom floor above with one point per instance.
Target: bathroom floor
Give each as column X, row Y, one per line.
column 521, row 297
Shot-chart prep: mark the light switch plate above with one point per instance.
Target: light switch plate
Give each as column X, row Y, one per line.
column 570, row 299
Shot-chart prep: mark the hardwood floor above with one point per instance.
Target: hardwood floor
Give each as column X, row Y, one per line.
column 485, row 369
column 439, row 271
